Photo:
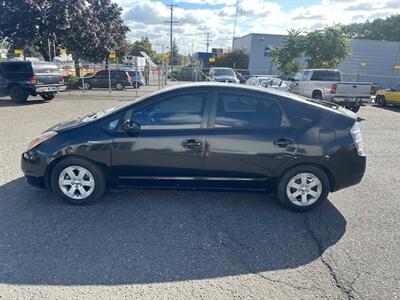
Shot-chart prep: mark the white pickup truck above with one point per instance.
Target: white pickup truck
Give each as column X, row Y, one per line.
column 327, row 85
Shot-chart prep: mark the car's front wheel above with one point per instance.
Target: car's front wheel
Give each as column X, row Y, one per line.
column 78, row 181
column 381, row 100
column 302, row 188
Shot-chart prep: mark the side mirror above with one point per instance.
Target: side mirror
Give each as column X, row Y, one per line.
column 130, row 126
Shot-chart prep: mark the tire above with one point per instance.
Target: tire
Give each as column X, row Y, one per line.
column 17, row 95
column 312, row 194
column 355, row 108
column 317, row 95
column 381, row 100
column 89, row 177
column 47, row 96
column 86, row 86
column 119, row 86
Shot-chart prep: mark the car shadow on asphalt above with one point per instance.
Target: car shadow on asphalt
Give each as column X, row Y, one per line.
column 4, row 102
column 388, row 107
column 149, row 236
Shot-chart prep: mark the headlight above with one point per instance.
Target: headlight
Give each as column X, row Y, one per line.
column 41, row 138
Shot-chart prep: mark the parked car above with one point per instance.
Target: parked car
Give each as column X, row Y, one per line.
column 119, row 80
column 276, row 83
column 389, row 96
column 327, row 84
column 223, row 75
column 205, row 135
column 19, row 79
column 136, row 78
column 258, row 80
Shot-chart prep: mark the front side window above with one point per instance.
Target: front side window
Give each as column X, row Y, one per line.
column 241, row 111
column 103, row 73
column 175, row 112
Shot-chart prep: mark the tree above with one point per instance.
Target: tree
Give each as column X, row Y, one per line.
column 321, row 48
column 237, row 59
column 88, row 28
column 379, row 29
column 143, row 44
column 286, row 57
column 326, row 48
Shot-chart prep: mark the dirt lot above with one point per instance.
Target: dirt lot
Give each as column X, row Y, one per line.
column 180, row 245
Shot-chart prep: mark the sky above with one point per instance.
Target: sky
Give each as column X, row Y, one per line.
column 196, row 18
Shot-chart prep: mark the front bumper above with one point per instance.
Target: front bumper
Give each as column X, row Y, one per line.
column 34, row 168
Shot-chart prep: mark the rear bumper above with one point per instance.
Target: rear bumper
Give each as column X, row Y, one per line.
column 350, row 174
column 50, row 89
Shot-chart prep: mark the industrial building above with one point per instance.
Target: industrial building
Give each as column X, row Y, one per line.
column 370, row 60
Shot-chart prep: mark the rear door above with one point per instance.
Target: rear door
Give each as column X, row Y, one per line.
column 248, row 138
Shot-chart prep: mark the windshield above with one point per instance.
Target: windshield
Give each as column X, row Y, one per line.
column 223, row 72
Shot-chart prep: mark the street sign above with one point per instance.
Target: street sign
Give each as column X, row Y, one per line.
column 363, row 64
column 63, row 50
column 18, row 52
column 112, row 55
column 397, row 66
column 211, row 59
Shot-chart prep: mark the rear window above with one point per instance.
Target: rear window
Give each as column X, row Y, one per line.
column 301, row 114
column 325, row 76
column 16, row 68
column 43, row 69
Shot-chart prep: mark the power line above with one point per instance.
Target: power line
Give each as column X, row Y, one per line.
column 171, row 21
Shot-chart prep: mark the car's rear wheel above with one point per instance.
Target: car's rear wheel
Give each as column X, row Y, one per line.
column 47, row 96
column 302, row 188
column 381, row 100
column 119, row 86
column 17, row 95
column 78, row 181
column 317, row 95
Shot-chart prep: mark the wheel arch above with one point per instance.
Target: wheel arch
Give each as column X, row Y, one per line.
column 328, row 173
column 316, row 91
column 104, row 168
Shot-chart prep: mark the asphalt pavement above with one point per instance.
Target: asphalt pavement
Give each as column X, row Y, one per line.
column 184, row 244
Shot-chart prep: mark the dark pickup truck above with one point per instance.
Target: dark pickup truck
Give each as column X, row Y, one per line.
column 19, row 79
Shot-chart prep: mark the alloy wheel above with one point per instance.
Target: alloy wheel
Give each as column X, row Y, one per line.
column 304, row 189
column 76, row 182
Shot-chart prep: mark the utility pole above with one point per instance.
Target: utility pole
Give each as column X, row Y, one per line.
column 171, row 7
column 234, row 25
column 208, row 41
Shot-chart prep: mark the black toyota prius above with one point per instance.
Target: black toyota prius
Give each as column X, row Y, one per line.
column 203, row 136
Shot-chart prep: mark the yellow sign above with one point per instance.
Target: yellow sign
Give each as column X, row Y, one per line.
column 211, row 59
column 63, row 51
column 18, row 52
column 112, row 55
column 397, row 66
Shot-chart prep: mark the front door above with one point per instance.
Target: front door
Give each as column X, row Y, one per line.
column 249, row 138
column 169, row 145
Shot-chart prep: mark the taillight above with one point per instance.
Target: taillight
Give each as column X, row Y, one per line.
column 62, row 80
column 357, row 138
column 333, row 88
column 33, row 80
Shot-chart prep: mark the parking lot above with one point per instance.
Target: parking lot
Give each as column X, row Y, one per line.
column 184, row 244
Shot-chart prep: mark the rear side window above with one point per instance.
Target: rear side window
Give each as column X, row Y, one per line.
column 325, row 76
column 242, row 111
column 301, row 115
column 16, row 68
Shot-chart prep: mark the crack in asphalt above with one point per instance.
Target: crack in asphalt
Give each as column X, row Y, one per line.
column 346, row 290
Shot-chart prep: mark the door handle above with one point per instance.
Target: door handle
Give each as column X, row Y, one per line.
column 192, row 144
column 283, row 142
